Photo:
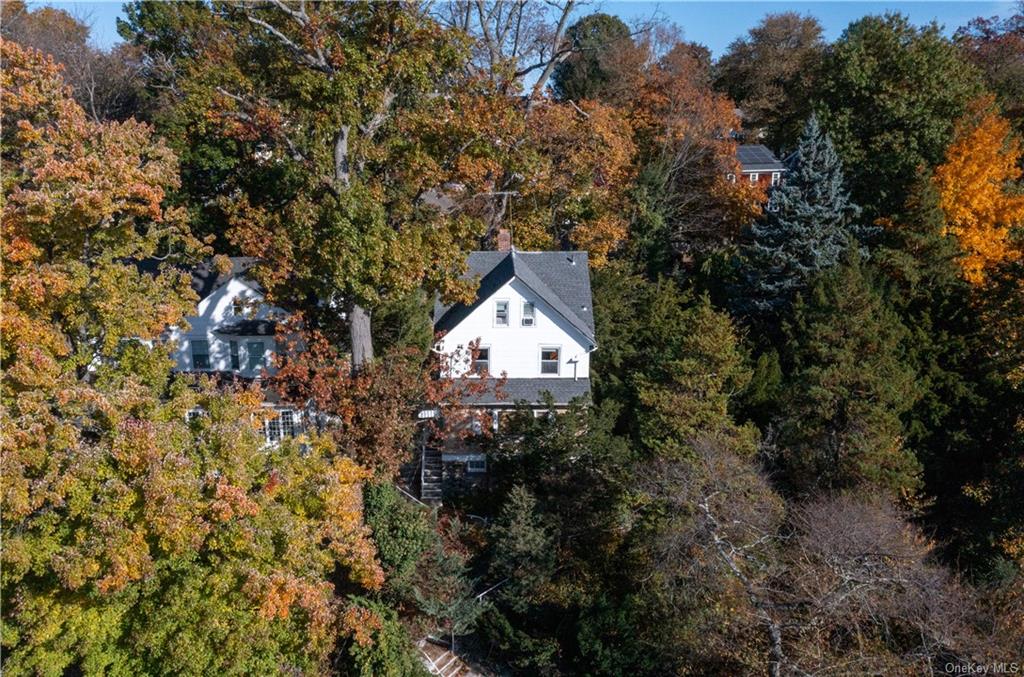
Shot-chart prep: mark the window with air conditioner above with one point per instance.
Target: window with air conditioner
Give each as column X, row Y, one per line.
column 529, row 314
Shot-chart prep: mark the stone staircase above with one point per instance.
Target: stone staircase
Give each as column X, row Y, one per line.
column 431, row 476
column 440, row 661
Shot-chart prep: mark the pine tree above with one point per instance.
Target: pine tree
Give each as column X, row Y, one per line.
column 849, row 385
column 809, row 222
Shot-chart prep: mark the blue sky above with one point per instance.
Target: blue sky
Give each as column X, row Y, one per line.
column 714, row 24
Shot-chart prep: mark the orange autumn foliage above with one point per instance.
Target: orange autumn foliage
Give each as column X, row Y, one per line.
column 975, row 190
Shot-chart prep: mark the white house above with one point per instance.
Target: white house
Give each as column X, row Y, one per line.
column 233, row 335
column 533, row 322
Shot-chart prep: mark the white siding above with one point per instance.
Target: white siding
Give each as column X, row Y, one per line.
column 515, row 349
column 217, row 310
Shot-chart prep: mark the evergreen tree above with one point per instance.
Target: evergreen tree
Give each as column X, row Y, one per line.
column 808, row 224
column 849, row 385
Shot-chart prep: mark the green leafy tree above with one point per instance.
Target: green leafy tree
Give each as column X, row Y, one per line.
column 604, row 61
column 771, row 74
column 809, row 224
column 890, row 95
column 147, row 529
column 322, row 109
column 848, row 386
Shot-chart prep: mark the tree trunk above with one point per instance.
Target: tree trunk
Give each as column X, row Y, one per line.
column 361, row 336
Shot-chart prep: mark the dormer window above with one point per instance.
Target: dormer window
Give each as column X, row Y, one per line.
column 529, row 314
column 501, row 313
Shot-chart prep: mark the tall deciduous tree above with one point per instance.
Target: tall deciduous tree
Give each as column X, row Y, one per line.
column 604, row 64
column 139, row 537
column 979, row 189
column 809, row 224
column 683, row 132
column 995, row 46
column 771, row 73
column 920, row 85
column 317, row 101
column 106, row 83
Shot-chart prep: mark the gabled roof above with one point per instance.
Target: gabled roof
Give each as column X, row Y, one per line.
column 561, row 279
column 755, row 157
column 206, row 278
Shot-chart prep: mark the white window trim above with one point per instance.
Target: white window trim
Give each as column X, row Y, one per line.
column 467, row 459
column 754, row 177
column 508, row 314
column 730, row 177
column 472, row 360
column 296, row 427
column 522, row 315
column 776, row 178
column 540, row 359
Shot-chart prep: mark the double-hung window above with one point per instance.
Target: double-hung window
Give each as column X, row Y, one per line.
column 254, row 351
column 236, row 361
column 501, row 313
column 549, row 360
column 482, row 361
column 200, row 353
column 776, row 178
column 753, row 177
column 529, row 314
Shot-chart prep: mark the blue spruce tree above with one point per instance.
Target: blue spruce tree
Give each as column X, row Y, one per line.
column 810, row 221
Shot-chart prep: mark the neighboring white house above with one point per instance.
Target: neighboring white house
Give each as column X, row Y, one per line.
column 233, row 335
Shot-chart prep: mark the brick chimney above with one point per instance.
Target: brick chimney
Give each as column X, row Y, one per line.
column 504, row 240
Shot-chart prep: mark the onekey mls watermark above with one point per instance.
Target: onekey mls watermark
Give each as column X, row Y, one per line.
column 993, row 668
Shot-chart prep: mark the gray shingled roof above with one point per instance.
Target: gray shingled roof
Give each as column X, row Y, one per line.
column 562, row 279
column 758, row 158
column 530, row 390
column 206, row 278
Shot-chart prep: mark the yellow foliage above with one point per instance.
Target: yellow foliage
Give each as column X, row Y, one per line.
column 975, row 189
